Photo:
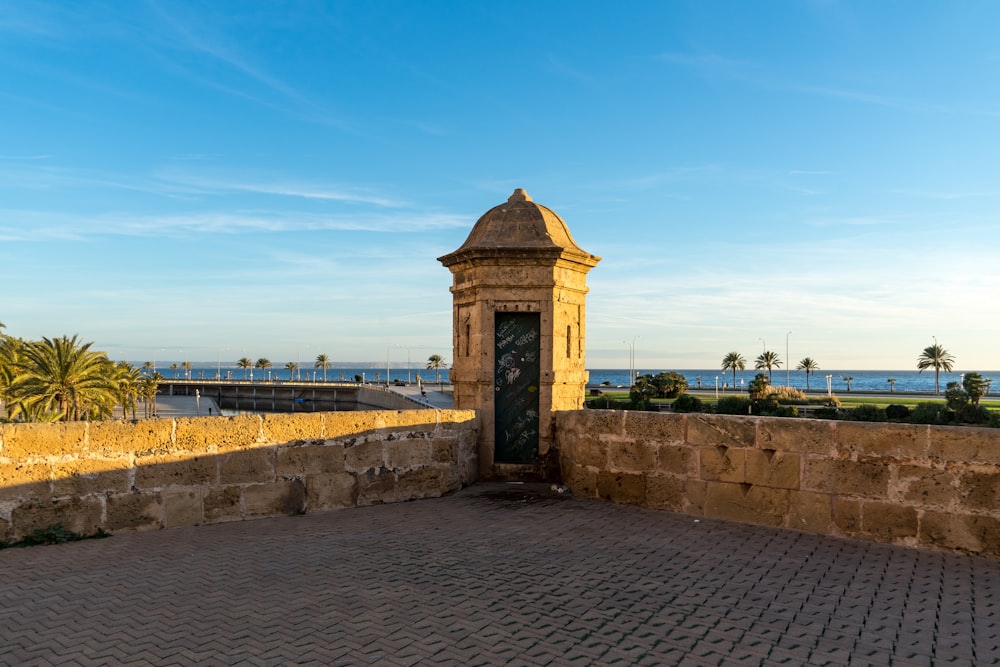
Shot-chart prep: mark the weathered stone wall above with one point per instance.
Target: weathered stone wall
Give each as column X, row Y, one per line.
column 897, row 483
column 163, row 473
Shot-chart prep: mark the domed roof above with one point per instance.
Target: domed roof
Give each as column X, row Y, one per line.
column 520, row 226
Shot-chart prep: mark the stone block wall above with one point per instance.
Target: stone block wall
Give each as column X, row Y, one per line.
column 904, row 484
column 163, row 473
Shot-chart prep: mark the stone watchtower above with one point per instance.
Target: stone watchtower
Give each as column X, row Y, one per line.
column 518, row 333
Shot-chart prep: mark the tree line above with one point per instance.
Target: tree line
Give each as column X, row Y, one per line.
column 63, row 379
column 933, row 356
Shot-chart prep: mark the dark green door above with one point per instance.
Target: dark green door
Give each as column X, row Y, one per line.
column 517, row 372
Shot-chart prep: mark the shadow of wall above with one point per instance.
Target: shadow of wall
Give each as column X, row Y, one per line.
column 164, row 473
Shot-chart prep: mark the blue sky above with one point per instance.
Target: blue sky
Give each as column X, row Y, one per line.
column 211, row 180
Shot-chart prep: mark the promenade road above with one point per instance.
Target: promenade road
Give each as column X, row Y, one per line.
column 494, row 575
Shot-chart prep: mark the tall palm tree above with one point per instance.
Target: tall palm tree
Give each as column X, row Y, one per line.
column 936, row 357
column 174, row 368
column 848, row 379
column 127, row 378
column 290, row 367
column 65, row 377
column 10, row 357
column 263, row 364
column 322, row 361
column 808, row 365
column 767, row 360
column 892, row 384
column 733, row 361
column 246, row 364
column 147, row 391
column 187, row 369
column 147, row 367
column 435, row 363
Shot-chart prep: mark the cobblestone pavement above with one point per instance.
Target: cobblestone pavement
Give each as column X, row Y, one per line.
column 496, row 574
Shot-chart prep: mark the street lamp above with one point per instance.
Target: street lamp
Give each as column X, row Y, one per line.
column 407, row 348
column 631, row 359
column 787, row 359
column 716, row 387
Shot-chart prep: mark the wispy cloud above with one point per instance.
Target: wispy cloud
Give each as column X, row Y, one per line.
column 710, row 62
column 666, row 176
column 561, row 68
column 266, row 184
column 186, row 33
column 40, row 225
column 943, row 195
column 761, row 76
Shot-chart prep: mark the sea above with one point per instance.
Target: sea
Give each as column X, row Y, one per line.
column 909, row 381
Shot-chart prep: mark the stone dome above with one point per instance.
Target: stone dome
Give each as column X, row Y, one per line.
column 520, row 227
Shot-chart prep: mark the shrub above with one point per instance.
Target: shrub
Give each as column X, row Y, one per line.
column 733, row 405
column 688, row 403
column 973, row 414
column 759, row 387
column 826, row 412
column 897, row 413
column 604, row 403
column 663, row 385
column 769, row 407
column 864, row 413
column 955, row 397
column 787, row 394
column 927, row 413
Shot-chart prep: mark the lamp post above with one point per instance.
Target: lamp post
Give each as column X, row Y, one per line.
column 407, row 348
column 631, row 359
column 716, row 387
column 787, row 359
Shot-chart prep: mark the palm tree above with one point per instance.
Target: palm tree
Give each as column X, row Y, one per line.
column 975, row 386
column 808, row 365
column 147, row 367
column 848, row 379
column 174, row 368
column 936, row 357
column 127, row 378
column 65, row 377
column 263, row 364
column 246, row 364
column 435, row 363
column 322, row 361
column 148, row 388
column 187, row 369
column 892, row 384
column 767, row 360
column 10, row 357
column 733, row 361
column 290, row 367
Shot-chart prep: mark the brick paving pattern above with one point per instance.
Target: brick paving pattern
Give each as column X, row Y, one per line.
column 496, row 574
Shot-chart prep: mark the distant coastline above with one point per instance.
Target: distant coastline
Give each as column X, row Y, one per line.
column 862, row 381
